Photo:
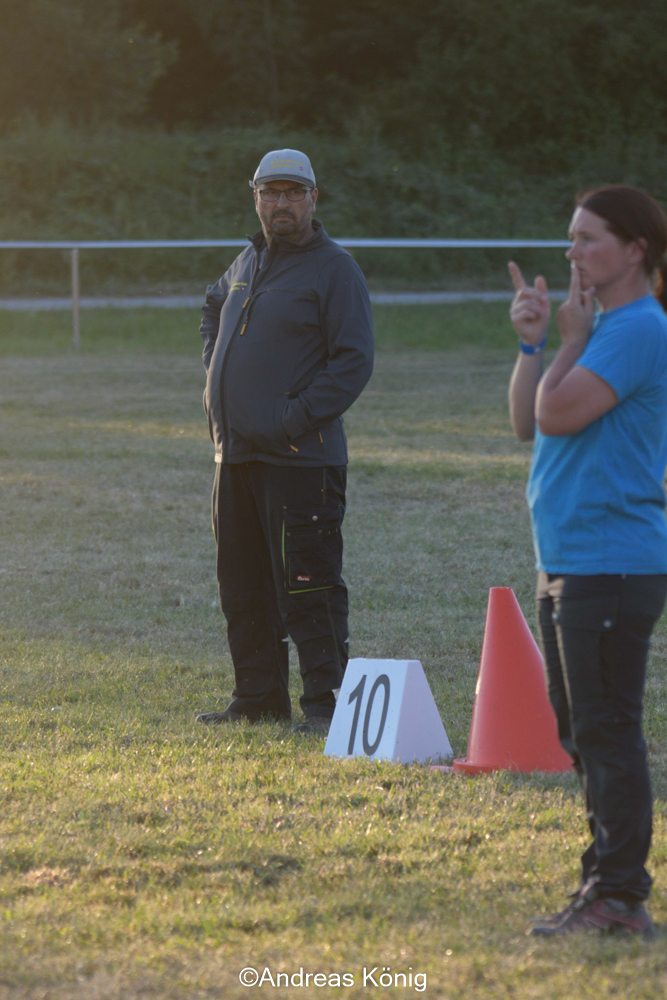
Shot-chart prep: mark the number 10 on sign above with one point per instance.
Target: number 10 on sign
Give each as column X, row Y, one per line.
column 385, row 709
column 369, row 745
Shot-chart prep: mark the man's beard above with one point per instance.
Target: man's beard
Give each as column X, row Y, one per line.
column 284, row 225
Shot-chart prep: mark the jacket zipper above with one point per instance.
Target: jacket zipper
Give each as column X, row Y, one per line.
column 225, row 427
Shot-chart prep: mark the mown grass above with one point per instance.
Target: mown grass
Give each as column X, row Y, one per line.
column 174, row 331
column 143, row 856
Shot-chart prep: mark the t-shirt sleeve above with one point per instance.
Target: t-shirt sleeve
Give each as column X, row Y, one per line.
column 626, row 355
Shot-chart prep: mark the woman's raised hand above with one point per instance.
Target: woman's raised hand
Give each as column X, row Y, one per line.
column 575, row 316
column 530, row 310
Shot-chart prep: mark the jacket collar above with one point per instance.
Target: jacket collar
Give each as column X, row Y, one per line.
column 286, row 245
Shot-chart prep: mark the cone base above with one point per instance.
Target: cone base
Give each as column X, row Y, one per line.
column 463, row 766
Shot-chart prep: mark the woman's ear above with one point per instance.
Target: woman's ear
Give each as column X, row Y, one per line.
column 637, row 250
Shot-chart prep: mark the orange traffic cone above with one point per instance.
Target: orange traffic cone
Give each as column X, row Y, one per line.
column 513, row 726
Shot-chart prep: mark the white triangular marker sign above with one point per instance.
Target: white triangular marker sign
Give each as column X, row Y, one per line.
column 385, row 710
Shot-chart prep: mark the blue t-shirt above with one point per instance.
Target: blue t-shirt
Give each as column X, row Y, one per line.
column 596, row 498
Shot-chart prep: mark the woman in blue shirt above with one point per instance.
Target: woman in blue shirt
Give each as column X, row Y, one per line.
column 599, row 420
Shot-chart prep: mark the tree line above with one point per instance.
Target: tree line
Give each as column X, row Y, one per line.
column 531, row 81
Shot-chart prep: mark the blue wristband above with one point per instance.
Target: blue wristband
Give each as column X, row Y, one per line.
column 531, row 348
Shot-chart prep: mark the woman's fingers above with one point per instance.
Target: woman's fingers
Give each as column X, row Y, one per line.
column 541, row 285
column 530, row 309
column 515, row 274
column 530, row 295
column 588, row 301
column 533, row 302
column 523, row 291
column 575, row 284
column 526, row 318
column 529, row 320
column 575, row 316
column 526, row 310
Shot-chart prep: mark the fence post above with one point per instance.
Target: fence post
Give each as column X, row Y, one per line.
column 75, row 298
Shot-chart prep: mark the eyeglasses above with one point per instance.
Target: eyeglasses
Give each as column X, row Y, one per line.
column 273, row 194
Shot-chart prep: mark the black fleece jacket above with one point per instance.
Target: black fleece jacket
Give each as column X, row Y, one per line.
column 287, row 349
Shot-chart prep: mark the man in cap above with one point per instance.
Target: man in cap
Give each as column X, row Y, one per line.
column 288, row 347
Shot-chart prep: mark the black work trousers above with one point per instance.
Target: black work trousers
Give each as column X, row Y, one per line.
column 280, row 553
column 595, row 634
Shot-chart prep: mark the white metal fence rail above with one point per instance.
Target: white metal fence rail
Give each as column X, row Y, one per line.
column 75, row 246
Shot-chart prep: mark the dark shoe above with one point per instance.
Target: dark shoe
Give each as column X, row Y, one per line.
column 316, row 725
column 216, row 718
column 588, row 913
column 555, row 918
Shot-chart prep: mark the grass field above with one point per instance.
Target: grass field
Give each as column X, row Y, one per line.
column 143, row 856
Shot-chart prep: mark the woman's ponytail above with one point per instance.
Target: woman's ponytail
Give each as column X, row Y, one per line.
column 660, row 290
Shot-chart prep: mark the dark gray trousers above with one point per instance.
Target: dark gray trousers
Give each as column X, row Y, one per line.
column 595, row 635
column 280, row 551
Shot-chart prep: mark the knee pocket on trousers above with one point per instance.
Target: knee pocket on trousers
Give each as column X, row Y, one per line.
column 312, row 547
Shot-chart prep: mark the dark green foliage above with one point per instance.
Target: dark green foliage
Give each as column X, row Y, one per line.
column 253, row 61
column 537, row 80
column 534, row 79
column 456, row 118
column 112, row 182
column 76, row 59
column 61, row 182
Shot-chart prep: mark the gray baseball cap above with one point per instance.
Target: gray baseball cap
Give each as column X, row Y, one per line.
column 284, row 165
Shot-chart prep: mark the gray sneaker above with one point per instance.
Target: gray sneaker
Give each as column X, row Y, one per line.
column 316, row 725
column 552, row 919
column 599, row 914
